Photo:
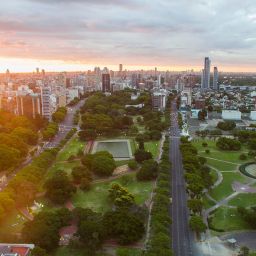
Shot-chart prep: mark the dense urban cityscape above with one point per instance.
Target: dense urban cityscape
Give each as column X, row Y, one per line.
column 127, row 128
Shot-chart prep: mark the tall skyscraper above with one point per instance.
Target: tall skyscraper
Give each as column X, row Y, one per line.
column 46, row 105
column 205, row 83
column 120, row 67
column 215, row 78
column 106, row 83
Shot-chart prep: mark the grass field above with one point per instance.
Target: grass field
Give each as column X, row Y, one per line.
column 61, row 163
column 65, row 166
column 223, row 167
column 229, row 169
column 97, row 197
column 244, row 200
column 153, row 147
column 207, row 202
column 228, row 219
column 225, row 188
column 128, row 252
column 72, row 148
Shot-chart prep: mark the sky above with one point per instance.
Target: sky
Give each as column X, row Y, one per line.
column 59, row 35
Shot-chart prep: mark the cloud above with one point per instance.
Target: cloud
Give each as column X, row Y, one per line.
column 166, row 32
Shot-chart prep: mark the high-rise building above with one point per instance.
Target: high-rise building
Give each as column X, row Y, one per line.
column 37, row 70
column 106, row 83
column 29, row 105
column 159, row 99
column 205, row 83
column 46, row 104
column 215, row 78
column 120, row 67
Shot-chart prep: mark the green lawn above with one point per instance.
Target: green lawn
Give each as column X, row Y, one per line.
column 230, row 156
column 228, row 220
column 133, row 145
column 122, row 162
column 245, row 200
column 65, row 166
column 72, row 148
column 207, row 202
column 225, row 188
column 223, row 167
column 97, row 197
column 128, row 252
column 153, row 147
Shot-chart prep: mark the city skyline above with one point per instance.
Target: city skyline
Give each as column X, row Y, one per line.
column 75, row 35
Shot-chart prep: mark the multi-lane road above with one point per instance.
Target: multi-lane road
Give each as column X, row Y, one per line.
column 182, row 237
column 65, row 126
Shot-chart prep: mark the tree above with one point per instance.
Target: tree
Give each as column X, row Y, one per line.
column 88, row 134
column 148, row 170
column 91, row 233
column 228, row 144
column 59, row 188
column 120, row 196
column 85, row 184
column 195, row 205
column 37, row 251
column 9, row 157
column 243, row 156
column 226, row 126
column 244, row 251
column 142, row 155
column 80, row 172
column 126, row 227
column 27, row 135
column 252, row 144
column 43, row 230
column 196, row 224
column 202, row 114
column 103, row 165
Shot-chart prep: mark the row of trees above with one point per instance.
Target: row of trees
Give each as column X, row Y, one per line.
column 59, row 115
column 198, row 178
column 226, row 125
column 159, row 242
column 225, row 143
column 22, row 189
column 52, row 128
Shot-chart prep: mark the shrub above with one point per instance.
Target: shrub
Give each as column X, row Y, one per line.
column 204, row 144
column 228, row 144
column 142, row 155
column 132, row 164
column 242, row 157
column 207, row 151
column 85, row 184
column 148, row 171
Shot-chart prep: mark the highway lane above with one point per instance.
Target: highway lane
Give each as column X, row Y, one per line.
column 182, row 237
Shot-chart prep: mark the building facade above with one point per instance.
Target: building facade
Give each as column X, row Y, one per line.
column 215, row 79
column 106, row 83
column 205, row 83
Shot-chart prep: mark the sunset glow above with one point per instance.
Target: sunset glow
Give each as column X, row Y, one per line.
column 78, row 35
